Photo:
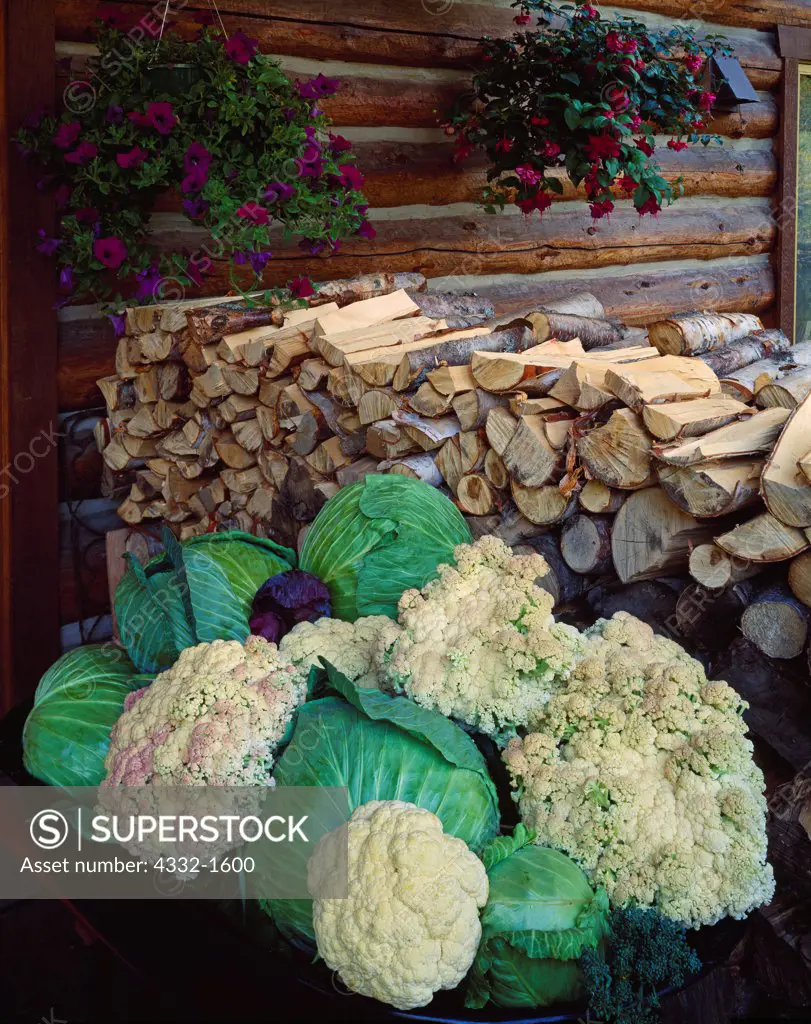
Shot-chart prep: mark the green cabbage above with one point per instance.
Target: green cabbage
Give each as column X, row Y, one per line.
column 77, row 702
column 379, row 537
column 385, row 748
column 541, row 916
column 195, row 592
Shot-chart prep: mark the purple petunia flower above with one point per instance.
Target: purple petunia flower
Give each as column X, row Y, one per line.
column 278, row 192
column 87, row 215
column 285, row 600
column 110, row 251
column 312, row 246
column 115, row 114
column 66, row 279
column 67, row 134
column 366, row 231
column 161, row 117
column 309, row 168
column 195, row 208
column 119, row 322
column 338, row 144
column 149, row 282
column 196, row 156
column 254, row 213
column 351, row 176
column 240, row 48
column 132, row 158
column 83, row 154
column 318, row 88
column 47, row 246
column 194, row 272
column 195, row 181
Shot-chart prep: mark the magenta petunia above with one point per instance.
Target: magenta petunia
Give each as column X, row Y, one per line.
column 196, row 155
column 67, row 135
column 161, row 117
column 240, row 48
column 301, row 287
column 318, row 88
column 351, row 176
column 140, row 119
column 338, row 144
column 366, row 231
column 87, row 215
column 279, row 192
column 195, row 180
column 110, row 251
column 254, row 213
column 149, row 282
column 83, row 154
column 131, row 158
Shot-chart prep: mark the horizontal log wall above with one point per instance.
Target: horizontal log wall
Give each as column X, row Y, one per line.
column 401, row 65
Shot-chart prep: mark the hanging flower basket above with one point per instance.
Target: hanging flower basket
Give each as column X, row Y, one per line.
column 173, row 79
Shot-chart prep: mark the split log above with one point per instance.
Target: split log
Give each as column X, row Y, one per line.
column 543, row 506
column 427, row 401
column 504, row 369
column 335, row 346
column 652, row 536
column 714, row 569
column 591, row 332
column 563, row 584
column 473, row 407
column 666, row 379
column 529, row 457
column 389, row 440
column 804, row 466
column 693, row 418
column 784, row 486
column 522, row 405
column 734, row 355
column 328, row 457
column 752, row 436
column 357, row 471
column 457, row 310
column 777, row 623
column 376, row 405
column 418, row 467
column 582, row 386
column 231, row 452
column 689, row 334
column 366, row 313
column 618, row 454
column 744, row 384
column 313, row 374
column 585, row 544
column 456, row 349
column 495, row 470
column 500, row 429
column 713, row 488
column 460, row 455
column 452, row 380
column 381, row 366
column 475, row 495
column 428, row 434
column 763, row 539
column 786, row 393
column 596, row 497
column 799, row 578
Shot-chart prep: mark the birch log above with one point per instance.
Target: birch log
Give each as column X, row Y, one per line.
column 689, row 334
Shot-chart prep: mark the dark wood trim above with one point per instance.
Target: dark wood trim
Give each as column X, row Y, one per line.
column 787, row 209
column 29, row 527
column 794, row 42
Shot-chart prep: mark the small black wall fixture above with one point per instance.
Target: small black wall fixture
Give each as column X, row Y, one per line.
column 729, row 82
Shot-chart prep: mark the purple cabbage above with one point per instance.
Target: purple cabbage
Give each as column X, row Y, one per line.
column 285, row 600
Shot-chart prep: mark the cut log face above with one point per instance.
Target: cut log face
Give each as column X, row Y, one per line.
column 653, row 537
column 543, row 506
column 335, row 347
column 785, row 488
column 585, row 544
column 529, row 457
column 455, row 349
column 777, row 623
column 495, row 470
column 500, row 429
column 692, row 419
column 473, row 407
column 427, row 401
column 618, row 454
column 418, row 467
column 753, row 436
column 452, row 380
column 786, row 393
column 460, row 455
column 505, row 371
column 666, row 379
column 799, row 578
column 366, row 313
column 583, row 386
column 763, row 539
column 744, row 383
column 475, row 495
column 713, row 488
column 596, row 497
column 689, row 334
column 714, row 569
column 590, row 331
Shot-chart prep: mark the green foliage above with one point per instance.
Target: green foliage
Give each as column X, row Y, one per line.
column 587, row 96
column 196, row 592
column 77, row 702
column 644, row 954
column 378, row 538
column 541, row 915
column 385, row 748
column 243, row 145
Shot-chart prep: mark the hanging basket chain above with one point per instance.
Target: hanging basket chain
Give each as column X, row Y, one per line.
column 212, row 4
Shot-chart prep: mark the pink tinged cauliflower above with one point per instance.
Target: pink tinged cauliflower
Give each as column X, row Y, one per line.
column 410, row 923
column 214, row 718
column 479, row 643
column 352, row 647
column 640, row 769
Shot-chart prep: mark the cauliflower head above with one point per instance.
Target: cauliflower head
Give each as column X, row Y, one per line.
column 640, row 769
column 352, row 647
column 479, row 643
column 214, row 718
column 410, row 924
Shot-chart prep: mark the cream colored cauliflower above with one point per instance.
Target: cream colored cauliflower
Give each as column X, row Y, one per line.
column 640, row 769
column 479, row 643
column 350, row 646
column 214, row 718
column 410, row 924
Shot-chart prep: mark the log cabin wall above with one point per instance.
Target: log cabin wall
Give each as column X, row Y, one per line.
column 401, row 64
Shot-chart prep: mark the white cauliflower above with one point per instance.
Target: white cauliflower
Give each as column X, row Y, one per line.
column 410, row 924
column 479, row 643
column 640, row 770
column 352, row 647
column 214, row 718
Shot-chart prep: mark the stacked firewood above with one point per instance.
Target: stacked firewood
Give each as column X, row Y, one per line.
column 616, row 451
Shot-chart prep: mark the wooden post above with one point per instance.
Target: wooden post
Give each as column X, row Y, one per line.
column 29, row 525
column 787, row 209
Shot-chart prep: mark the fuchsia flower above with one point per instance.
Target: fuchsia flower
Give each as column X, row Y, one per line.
column 617, row 96
column 540, row 202
column 528, row 176
column 601, row 208
column 539, row 121
column 83, row 154
column 67, row 135
column 627, row 183
column 604, row 146
column 649, row 206
column 504, row 145
column 677, row 144
column 645, row 146
column 301, row 288
column 110, row 251
column 523, row 19
column 463, row 148
column 240, row 48
column 254, row 213
column 694, row 62
column 706, row 100
column 613, row 42
column 132, row 158
column 551, row 150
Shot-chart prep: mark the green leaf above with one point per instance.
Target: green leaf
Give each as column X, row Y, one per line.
column 77, row 702
column 149, row 618
column 572, row 118
column 216, row 615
